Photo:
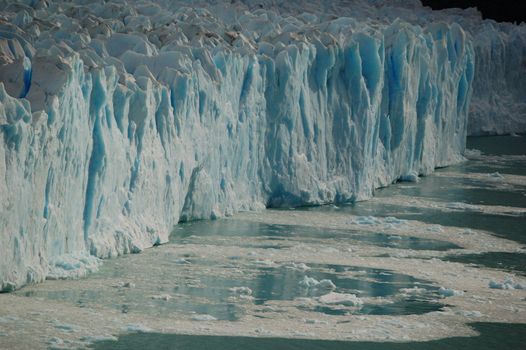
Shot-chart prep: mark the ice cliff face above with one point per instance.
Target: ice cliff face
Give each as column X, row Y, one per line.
column 498, row 105
column 499, row 90
column 119, row 120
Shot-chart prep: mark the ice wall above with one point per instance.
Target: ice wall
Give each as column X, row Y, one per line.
column 499, row 88
column 498, row 105
column 119, row 121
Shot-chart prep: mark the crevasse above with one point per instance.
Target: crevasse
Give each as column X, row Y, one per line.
column 130, row 126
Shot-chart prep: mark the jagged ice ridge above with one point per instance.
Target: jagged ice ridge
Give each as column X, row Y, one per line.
column 120, row 119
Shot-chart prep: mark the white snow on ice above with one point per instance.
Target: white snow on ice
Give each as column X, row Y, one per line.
column 118, row 120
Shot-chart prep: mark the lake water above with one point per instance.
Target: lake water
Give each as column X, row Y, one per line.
column 271, row 283
column 493, row 336
column 411, row 265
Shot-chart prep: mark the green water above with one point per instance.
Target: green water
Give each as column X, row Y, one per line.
column 282, row 284
column 213, row 295
column 203, row 286
column 460, row 189
column 493, row 336
column 498, row 145
column 200, row 230
column 505, row 226
column 512, row 262
column 466, row 191
column 507, row 165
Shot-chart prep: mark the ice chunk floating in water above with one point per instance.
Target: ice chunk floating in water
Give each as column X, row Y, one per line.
column 112, row 131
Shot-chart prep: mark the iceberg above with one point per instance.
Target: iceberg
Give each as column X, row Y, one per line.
column 120, row 119
column 341, row 299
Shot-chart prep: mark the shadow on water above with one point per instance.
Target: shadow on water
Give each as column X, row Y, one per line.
column 506, row 226
column 493, row 336
column 512, row 262
column 509, row 227
column 458, row 189
column 498, row 145
column 440, row 188
column 504, row 166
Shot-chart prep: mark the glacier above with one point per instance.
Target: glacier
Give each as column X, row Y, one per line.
column 119, row 120
column 498, row 105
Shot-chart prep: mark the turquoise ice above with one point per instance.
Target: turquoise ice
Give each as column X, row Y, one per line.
column 119, row 121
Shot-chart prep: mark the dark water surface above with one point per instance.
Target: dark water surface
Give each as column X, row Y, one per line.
column 493, row 336
column 197, row 231
column 460, row 189
column 498, row 145
column 213, row 294
column 512, row 262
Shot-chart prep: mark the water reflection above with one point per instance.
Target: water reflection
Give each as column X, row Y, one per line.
column 210, row 231
column 214, row 294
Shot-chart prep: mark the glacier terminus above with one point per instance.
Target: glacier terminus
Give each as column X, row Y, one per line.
column 120, row 119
